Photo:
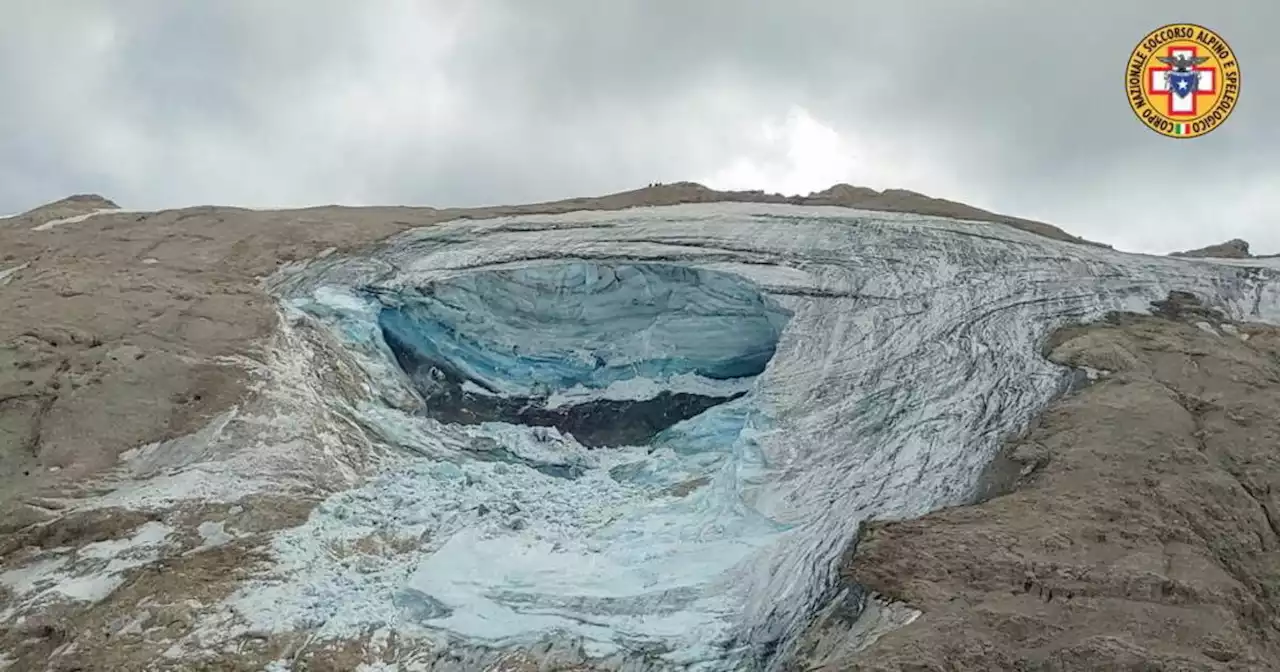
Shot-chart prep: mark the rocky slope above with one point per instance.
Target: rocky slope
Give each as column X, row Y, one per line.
column 1134, row 526
column 1232, row 249
column 224, row 357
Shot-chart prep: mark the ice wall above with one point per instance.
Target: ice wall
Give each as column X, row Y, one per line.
column 909, row 354
column 610, row 353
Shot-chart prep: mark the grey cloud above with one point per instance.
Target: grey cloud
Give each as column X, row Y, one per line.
column 1019, row 105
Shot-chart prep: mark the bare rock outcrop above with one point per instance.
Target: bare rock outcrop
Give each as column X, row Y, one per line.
column 903, row 200
column 1137, row 524
column 1232, row 249
column 71, row 206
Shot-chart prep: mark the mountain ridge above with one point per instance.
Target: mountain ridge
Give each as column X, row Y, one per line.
column 653, row 195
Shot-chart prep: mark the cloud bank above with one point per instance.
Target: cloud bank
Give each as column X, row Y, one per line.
column 1012, row 106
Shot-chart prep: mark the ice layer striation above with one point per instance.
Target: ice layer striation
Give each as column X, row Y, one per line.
column 612, row 353
column 653, row 432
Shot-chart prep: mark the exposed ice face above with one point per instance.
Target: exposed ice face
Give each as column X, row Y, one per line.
column 910, row 353
column 626, row 350
column 518, row 331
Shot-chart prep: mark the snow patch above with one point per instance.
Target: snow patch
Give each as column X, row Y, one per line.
column 149, row 534
column 90, row 573
column 76, row 219
column 213, row 535
column 1094, row 374
column 1207, row 328
column 6, row 276
column 208, row 482
column 35, row 576
column 89, row 588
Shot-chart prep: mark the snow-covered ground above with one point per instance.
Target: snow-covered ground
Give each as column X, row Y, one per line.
column 75, row 219
column 6, row 274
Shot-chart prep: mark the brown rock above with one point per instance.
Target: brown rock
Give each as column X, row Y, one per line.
column 71, row 206
column 902, row 200
column 1232, row 249
column 1140, row 528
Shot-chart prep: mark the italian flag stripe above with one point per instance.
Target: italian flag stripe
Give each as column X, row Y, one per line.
column 1179, row 129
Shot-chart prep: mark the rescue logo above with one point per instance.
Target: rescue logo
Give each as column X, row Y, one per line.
column 1182, row 80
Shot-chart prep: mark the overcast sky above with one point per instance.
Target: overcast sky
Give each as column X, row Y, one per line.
column 1016, row 106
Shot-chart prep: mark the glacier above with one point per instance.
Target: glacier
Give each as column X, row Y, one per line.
column 648, row 435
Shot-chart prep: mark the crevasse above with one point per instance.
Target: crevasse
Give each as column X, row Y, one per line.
column 654, row 431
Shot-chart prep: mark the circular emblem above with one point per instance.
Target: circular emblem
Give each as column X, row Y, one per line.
column 1182, row 80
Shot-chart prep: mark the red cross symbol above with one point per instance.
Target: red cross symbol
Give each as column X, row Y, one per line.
column 1182, row 106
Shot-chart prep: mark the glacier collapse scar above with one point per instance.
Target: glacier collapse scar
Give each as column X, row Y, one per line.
column 599, row 351
column 900, row 353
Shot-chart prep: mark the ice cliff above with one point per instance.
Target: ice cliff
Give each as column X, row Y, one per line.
column 651, row 433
